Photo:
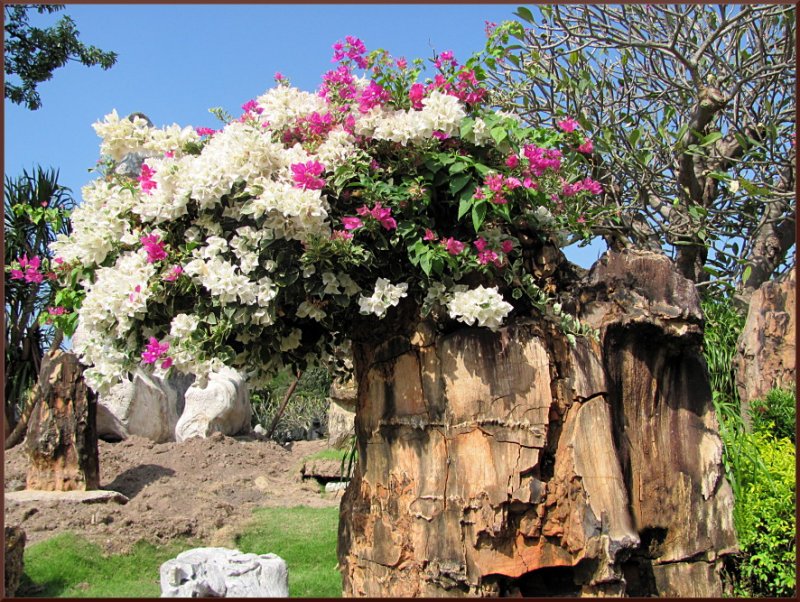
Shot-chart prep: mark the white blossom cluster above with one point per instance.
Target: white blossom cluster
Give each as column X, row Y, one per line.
column 384, row 296
column 247, row 168
column 481, row 305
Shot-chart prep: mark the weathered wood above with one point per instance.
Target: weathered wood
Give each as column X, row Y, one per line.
column 766, row 352
column 62, row 434
column 511, row 463
column 13, row 557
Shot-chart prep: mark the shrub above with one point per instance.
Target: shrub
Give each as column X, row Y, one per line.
column 776, row 413
column 765, row 521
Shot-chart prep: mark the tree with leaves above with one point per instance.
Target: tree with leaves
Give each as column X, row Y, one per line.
column 36, row 209
column 689, row 118
column 33, row 53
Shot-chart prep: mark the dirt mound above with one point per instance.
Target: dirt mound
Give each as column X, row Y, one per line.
column 201, row 488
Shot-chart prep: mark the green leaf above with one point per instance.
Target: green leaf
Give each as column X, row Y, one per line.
column 478, row 215
column 425, row 263
column 710, row 138
column 464, row 205
column 458, row 183
column 746, row 274
column 499, row 134
column 466, row 127
column 524, row 14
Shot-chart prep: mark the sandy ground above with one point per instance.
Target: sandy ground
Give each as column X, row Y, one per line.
column 201, row 488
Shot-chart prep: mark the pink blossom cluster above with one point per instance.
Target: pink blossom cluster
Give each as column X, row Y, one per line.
column 568, row 125
column 173, row 274
column 29, row 270
column 312, row 128
column 338, row 86
column 154, row 247
column 306, row 175
column 487, row 255
column 352, row 48
column 497, row 187
column 146, row 179
column 587, row 184
column 201, row 131
column 541, row 159
column 372, row 96
column 586, row 147
column 154, row 352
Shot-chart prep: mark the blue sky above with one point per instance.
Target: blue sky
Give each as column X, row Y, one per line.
column 177, row 61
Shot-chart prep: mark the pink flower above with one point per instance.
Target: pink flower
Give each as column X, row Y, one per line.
column 568, row 125
column 440, row 135
column 542, row 159
column 43, row 203
column 146, row 179
column 363, row 211
column 587, row 147
column 173, row 274
column 416, row 93
column 499, row 199
column 401, row 63
column 205, row 131
column 506, row 246
column 169, row 154
column 57, row 311
column 17, row 275
column 373, row 95
column 58, row 260
column 529, row 183
column 351, row 48
column 251, row 106
column 384, row 216
column 512, row 161
column 512, row 183
column 166, row 363
column 453, row 246
column 278, row 77
column 488, row 256
column 478, row 193
column 154, row 247
column 430, row 235
column 480, row 244
column 581, row 219
column 351, row 223
column 341, row 234
column 305, row 175
column 153, row 351
column 495, row 182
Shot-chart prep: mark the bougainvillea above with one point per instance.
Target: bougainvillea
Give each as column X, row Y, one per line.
column 265, row 242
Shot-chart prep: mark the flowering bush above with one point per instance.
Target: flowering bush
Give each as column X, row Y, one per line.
column 267, row 241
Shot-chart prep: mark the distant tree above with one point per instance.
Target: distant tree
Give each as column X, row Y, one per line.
column 32, row 53
column 691, row 109
column 36, row 209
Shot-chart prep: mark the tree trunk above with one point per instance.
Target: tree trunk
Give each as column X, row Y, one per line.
column 62, row 433
column 511, row 463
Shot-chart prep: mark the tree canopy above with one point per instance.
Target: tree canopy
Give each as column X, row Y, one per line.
column 692, row 109
column 33, row 53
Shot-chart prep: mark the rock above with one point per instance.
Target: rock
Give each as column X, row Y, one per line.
column 14, row 552
column 224, row 573
column 260, row 430
column 341, row 415
column 335, row 486
column 146, row 406
column 766, row 356
column 61, row 442
column 222, row 406
column 511, row 462
column 95, row 496
column 322, row 469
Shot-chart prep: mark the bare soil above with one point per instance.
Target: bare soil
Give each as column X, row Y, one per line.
column 203, row 489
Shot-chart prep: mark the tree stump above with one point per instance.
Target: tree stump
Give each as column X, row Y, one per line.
column 512, row 463
column 14, row 552
column 62, row 433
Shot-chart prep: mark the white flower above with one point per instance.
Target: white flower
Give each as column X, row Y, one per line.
column 384, row 296
column 310, row 310
column 482, row 305
column 292, row 341
column 183, row 325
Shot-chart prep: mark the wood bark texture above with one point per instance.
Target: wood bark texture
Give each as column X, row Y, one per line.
column 512, row 463
column 766, row 353
column 62, row 433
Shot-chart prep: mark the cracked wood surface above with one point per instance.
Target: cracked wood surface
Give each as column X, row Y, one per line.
column 488, row 458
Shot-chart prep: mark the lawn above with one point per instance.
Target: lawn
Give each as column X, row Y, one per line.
column 68, row 566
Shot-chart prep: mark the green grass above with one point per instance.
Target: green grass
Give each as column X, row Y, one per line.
column 306, row 539
column 69, row 566
column 328, row 454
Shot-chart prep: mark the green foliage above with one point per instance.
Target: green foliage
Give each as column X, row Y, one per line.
column 33, row 53
column 36, row 210
column 306, row 539
column 68, row 566
column 307, row 406
column 776, row 414
column 765, row 520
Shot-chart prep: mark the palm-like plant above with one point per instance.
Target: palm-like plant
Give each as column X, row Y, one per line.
column 36, row 210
